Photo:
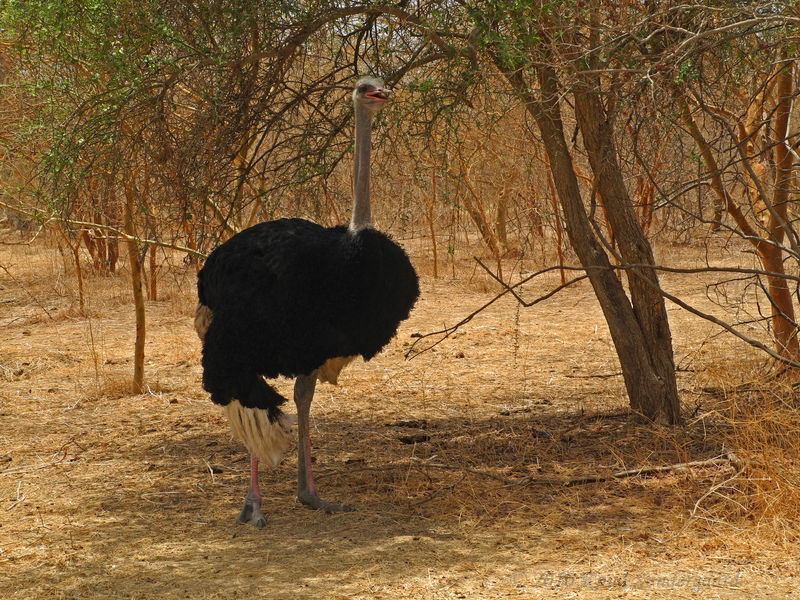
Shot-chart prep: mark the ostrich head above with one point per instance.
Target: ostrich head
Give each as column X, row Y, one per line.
column 369, row 97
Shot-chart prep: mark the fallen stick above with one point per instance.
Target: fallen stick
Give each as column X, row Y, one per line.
column 438, row 491
column 19, row 498
column 28, row 468
column 18, row 501
column 411, row 464
column 729, row 458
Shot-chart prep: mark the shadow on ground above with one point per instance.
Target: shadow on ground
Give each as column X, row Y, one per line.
column 148, row 508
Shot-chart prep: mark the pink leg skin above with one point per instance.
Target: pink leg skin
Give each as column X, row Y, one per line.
column 306, row 492
column 251, row 511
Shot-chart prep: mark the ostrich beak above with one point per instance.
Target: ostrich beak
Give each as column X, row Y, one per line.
column 381, row 94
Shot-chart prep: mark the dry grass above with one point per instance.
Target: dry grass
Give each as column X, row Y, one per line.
column 760, row 414
column 456, row 460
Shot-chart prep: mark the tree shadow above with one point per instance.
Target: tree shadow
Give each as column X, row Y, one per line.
column 161, row 522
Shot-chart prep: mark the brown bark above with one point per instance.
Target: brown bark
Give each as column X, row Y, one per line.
column 557, row 218
column 91, row 246
column 152, row 289
column 431, row 204
column 501, row 218
column 714, row 174
column 782, row 308
column 474, row 205
column 79, row 274
column 646, row 299
column 136, row 279
column 640, row 347
column 190, row 243
column 75, row 248
column 645, row 188
column 771, row 212
column 111, row 210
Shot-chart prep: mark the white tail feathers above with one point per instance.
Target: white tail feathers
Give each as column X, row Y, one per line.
column 267, row 440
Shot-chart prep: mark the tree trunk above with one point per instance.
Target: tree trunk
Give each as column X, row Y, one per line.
column 152, row 289
column 111, row 211
column 780, row 298
column 78, row 271
column 649, row 382
column 556, row 219
column 500, row 220
column 431, row 205
column 648, row 304
column 135, row 260
column 783, row 318
column 769, row 250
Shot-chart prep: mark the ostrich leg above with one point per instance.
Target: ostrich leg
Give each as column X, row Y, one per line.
column 306, row 493
column 251, row 511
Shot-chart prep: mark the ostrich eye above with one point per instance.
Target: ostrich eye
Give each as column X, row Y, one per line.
column 364, row 88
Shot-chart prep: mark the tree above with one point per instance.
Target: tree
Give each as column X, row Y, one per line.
column 770, row 187
column 530, row 48
column 191, row 115
column 725, row 78
column 206, row 118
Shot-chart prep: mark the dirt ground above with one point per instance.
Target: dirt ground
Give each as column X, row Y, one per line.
column 465, row 464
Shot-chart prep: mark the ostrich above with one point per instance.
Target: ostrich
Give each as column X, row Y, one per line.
column 292, row 298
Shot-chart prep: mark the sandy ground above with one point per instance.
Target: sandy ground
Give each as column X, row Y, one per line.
column 463, row 463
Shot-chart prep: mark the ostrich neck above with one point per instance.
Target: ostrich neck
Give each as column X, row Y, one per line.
column 361, row 210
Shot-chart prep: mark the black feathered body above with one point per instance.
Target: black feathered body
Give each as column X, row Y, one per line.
column 288, row 295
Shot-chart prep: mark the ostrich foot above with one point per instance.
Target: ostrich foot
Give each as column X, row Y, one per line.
column 314, row 502
column 306, row 492
column 251, row 513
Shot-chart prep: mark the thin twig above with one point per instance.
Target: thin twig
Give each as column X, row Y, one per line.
column 418, row 464
column 438, row 491
column 448, row 331
column 118, row 233
column 16, row 502
column 31, row 468
column 19, row 498
column 728, row 458
column 210, row 470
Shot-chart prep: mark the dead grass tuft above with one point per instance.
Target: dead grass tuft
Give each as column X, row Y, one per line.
column 759, row 413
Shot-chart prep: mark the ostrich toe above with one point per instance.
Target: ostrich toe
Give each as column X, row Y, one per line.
column 251, row 513
column 314, row 502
